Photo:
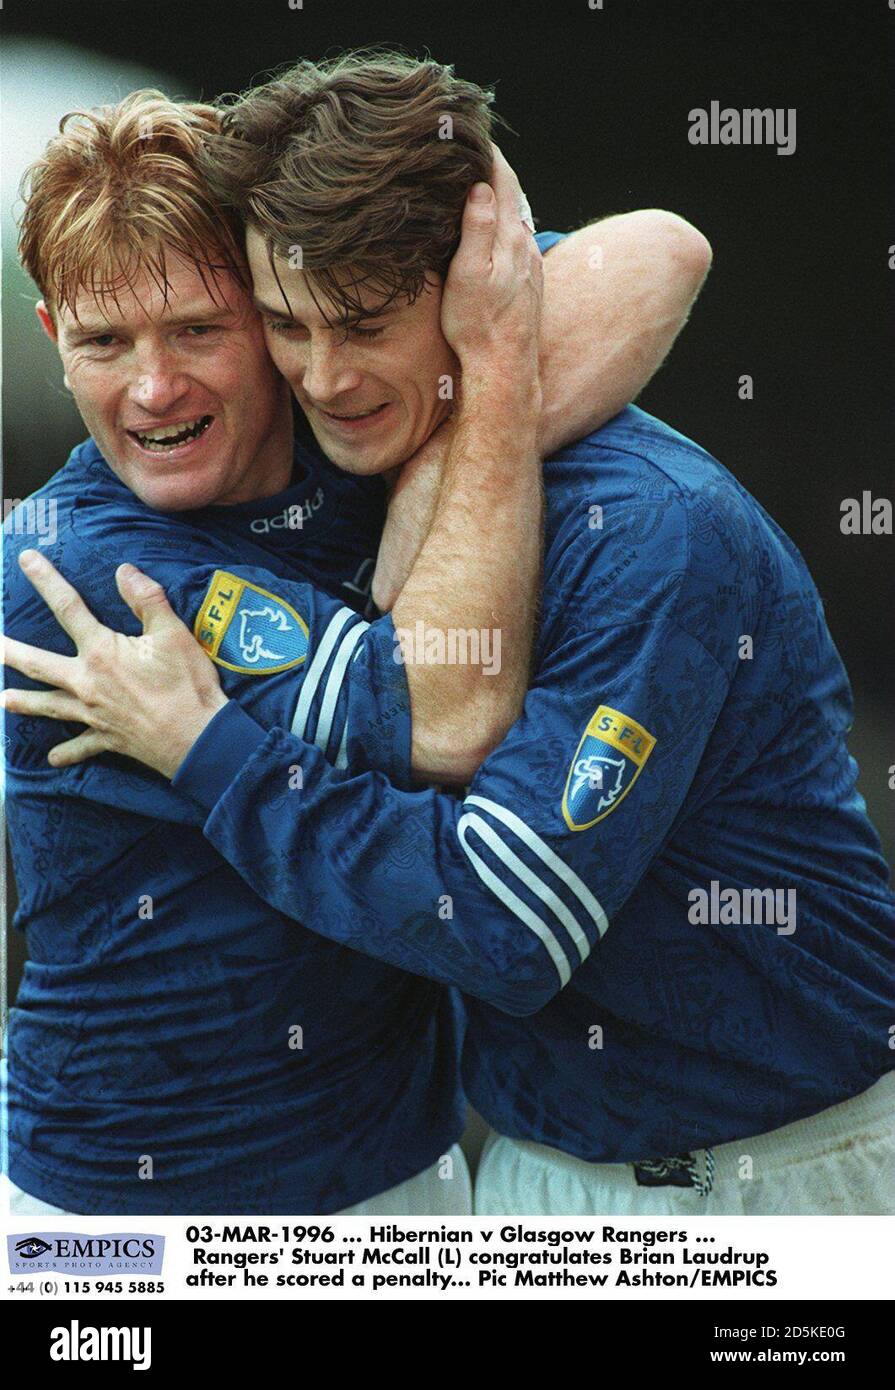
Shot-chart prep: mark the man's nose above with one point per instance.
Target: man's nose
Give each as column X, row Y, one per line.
column 327, row 373
column 158, row 383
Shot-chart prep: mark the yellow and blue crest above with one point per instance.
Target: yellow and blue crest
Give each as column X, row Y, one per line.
column 246, row 628
column 610, row 758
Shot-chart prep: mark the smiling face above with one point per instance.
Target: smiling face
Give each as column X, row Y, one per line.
column 177, row 389
column 374, row 392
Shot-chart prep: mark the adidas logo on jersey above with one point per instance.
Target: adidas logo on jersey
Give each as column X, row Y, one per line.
column 290, row 518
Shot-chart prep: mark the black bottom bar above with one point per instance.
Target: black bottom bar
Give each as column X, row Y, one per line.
column 265, row 1338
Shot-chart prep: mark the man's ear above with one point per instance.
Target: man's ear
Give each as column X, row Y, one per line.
column 46, row 321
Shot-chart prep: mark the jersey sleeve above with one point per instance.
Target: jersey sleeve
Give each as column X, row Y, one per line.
column 294, row 657
column 289, row 653
column 505, row 892
column 545, row 240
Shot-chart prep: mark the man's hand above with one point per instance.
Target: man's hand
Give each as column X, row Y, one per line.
column 491, row 304
column 146, row 697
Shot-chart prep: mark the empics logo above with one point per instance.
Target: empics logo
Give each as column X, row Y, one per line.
column 74, row 1252
column 31, row 1248
column 77, row 1343
column 610, row 758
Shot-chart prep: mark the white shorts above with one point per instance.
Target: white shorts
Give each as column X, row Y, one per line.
column 445, row 1189
column 838, row 1163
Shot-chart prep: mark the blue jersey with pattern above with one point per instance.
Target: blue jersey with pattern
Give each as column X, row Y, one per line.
column 661, row 895
column 177, row 1044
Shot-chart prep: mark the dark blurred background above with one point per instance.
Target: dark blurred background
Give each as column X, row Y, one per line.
column 800, row 295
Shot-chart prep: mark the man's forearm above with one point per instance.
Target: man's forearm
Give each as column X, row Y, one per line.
column 413, row 498
column 466, row 614
column 616, row 295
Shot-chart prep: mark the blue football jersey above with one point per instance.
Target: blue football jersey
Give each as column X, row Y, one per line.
column 661, row 894
column 178, row 1045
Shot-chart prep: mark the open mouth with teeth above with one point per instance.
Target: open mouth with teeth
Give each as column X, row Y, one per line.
column 171, row 436
column 361, row 415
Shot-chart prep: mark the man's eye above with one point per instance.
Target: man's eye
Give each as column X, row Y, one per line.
column 102, row 340
column 282, row 325
column 358, row 332
column 201, row 328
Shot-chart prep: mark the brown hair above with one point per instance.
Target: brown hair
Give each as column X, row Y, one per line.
column 116, row 188
column 363, row 162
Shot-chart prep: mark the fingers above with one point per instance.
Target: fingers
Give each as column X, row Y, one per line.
column 507, row 188
column 145, row 597
column 492, row 218
column 473, row 255
column 63, row 601
column 510, row 200
column 76, row 750
column 49, row 704
column 38, row 665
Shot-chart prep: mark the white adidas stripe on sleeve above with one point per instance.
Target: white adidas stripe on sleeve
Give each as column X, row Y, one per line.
column 334, row 684
column 316, row 669
column 511, row 900
column 535, row 884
